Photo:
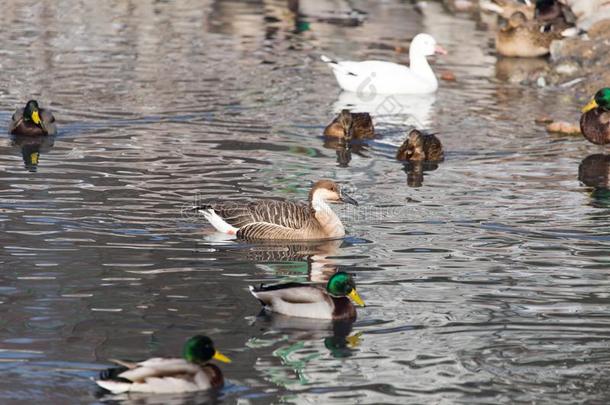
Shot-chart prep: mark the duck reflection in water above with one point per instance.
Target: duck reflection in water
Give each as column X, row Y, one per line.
column 297, row 261
column 594, row 171
column 421, row 152
column 346, row 133
column 336, row 336
column 31, row 147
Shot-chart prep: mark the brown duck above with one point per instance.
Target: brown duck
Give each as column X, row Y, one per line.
column 350, row 125
column 281, row 220
column 523, row 38
column 32, row 121
column 595, row 118
column 421, row 147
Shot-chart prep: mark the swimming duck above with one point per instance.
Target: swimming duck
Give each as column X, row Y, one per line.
column 421, row 147
column 524, row 38
column 281, row 220
column 595, row 120
column 168, row 375
column 32, row 121
column 350, row 125
column 308, row 301
column 381, row 77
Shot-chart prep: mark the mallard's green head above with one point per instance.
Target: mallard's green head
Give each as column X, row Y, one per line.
column 342, row 284
column 31, row 112
column 200, row 349
column 601, row 99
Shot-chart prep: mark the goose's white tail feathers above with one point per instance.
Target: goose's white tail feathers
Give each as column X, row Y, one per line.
column 218, row 223
column 116, row 387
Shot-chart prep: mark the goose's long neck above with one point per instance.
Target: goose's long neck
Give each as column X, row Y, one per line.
column 420, row 66
column 328, row 220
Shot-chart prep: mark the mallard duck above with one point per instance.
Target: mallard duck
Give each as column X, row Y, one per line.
column 32, row 121
column 381, row 77
column 523, row 38
column 350, row 126
column 308, row 301
column 421, row 147
column 281, row 220
column 595, row 120
column 168, row 375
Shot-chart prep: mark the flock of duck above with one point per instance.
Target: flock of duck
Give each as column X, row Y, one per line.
column 286, row 220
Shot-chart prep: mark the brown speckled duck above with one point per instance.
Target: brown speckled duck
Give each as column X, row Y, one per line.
column 350, row 125
column 523, row 38
column 32, row 121
column 595, row 118
column 421, row 147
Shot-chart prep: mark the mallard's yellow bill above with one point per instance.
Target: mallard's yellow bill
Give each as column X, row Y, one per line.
column 36, row 118
column 221, row 357
column 356, row 298
column 34, row 158
column 590, row 105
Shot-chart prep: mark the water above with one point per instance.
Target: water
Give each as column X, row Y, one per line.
column 487, row 283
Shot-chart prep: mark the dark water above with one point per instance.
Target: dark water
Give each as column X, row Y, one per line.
column 487, row 283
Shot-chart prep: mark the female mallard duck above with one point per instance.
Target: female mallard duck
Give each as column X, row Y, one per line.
column 523, row 38
column 595, row 120
column 307, row 301
column 421, row 147
column 168, row 375
column 32, row 121
column 350, row 125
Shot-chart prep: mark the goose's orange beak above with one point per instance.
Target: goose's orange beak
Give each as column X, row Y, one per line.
column 439, row 50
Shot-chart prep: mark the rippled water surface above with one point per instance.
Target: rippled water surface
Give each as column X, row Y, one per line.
column 486, row 279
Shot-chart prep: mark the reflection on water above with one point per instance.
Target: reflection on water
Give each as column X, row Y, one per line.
column 487, row 283
column 31, row 148
column 594, row 171
column 415, row 171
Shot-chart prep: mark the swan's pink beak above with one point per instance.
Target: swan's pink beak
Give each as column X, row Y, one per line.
column 439, row 50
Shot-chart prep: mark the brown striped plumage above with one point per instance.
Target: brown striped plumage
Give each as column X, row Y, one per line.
column 281, row 220
column 351, row 126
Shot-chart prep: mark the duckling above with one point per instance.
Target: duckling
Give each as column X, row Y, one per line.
column 421, row 147
column 524, row 38
column 350, row 125
column 168, row 375
column 307, row 301
column 32, row 121
column 595, row 120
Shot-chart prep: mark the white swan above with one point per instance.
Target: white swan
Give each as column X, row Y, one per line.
column 380, row 77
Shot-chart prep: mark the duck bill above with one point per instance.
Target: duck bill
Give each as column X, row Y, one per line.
column 356, row 297
column 34, row 158
column 439, row 50
column 590, row 105
column 221, row 357
column 348, row 200
column 36, row 117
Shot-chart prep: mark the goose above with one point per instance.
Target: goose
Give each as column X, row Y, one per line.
column 32, row 121
column 350, row 125
column 421, row 147
column 307, row 301
column 595, row 118
column 168, row 375
column 281, row 220
column 381, row 77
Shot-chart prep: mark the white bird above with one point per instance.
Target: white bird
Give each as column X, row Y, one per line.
column 379, row 77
